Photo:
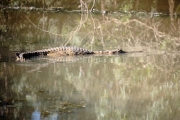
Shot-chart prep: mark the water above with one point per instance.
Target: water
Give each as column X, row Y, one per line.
column 131, row 86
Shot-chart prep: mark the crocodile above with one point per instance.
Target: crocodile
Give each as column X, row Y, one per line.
column 63, row 51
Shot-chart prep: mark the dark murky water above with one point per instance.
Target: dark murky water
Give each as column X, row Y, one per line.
column 132, row 86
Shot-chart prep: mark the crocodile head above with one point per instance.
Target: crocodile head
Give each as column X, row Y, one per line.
column 19, row 57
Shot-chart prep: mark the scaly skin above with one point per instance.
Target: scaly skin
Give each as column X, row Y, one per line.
column 63, row 51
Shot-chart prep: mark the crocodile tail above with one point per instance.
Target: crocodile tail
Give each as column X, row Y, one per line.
column 121, row 51
column 118, row 51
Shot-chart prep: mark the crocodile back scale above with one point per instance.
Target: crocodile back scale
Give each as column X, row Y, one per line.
column 63, row 51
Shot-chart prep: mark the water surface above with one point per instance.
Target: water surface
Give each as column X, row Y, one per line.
column 131, row 86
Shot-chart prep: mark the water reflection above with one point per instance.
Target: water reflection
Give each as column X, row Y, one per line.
column 144, row 86
column 36, row 115
column 26, row 30
column 132, row 86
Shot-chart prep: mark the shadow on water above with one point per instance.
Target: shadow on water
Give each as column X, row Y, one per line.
column 131, row 86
